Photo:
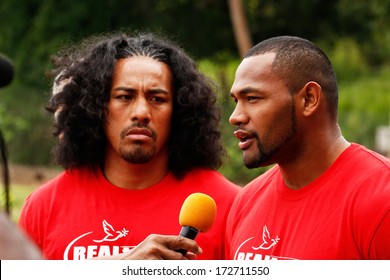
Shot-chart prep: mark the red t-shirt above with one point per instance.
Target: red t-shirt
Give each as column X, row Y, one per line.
column 344, row 214
column 80, row 215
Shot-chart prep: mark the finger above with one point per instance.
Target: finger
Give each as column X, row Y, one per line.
column 191, row 256
column 164, row 247
column 179, row 242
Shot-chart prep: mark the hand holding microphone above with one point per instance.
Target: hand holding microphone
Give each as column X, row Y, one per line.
column 197, row 214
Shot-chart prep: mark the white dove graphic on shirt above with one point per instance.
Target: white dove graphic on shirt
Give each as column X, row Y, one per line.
column 111, row 233
column 268, row 241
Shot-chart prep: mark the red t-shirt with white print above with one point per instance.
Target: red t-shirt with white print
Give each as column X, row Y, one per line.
column 80, row 215
column 343, row 214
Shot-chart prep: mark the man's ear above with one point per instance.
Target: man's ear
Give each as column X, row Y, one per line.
column 310, row 97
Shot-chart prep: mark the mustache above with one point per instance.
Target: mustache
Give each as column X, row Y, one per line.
column 238, row 127
column 126, row 130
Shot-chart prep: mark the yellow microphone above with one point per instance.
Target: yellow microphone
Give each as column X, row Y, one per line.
column 197, row 214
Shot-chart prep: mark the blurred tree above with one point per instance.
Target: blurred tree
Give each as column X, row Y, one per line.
column 240, row 26
column 311, row 19
column 368, row 23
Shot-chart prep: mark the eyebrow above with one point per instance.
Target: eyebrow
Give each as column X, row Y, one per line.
column 153, row 91
column 245, row 91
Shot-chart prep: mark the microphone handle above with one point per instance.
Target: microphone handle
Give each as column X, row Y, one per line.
column 188, row 232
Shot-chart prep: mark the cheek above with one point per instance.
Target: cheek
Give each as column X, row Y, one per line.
column 112, row 128
column 163, row 126
column 272, row 121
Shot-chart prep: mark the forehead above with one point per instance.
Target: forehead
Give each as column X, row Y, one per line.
column 135, row 65
column 253, row 70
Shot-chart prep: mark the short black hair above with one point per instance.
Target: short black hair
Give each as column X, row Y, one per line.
column 299, row 61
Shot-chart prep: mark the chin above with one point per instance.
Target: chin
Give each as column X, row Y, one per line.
column 250, row 163
column 256, row 162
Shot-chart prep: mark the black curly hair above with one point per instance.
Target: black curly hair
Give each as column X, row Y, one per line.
column 82, row 83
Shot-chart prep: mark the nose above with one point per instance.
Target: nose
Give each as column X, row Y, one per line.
column 140, row 111
column 238, row 116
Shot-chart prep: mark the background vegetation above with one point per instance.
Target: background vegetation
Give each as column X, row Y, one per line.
column 355, row 34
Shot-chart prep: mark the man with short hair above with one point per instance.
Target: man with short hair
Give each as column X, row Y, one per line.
column 325, row 198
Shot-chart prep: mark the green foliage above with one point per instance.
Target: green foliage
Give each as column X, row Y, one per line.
column 312, row 19
column 367, row 22
column 348, row 60
column 364, row 105
column 11, row 125
column 355, row 34
column 25, row 125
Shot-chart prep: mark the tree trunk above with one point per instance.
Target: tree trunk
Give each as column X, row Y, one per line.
column 240, row 26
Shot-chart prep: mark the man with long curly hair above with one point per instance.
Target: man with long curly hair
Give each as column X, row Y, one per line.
column 138, row 131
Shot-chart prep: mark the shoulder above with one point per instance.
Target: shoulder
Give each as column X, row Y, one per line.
column 367, row 172
column 64, row 183
column 365, row 177
column 212, row 183
column 363, row 157
column 49, row 187
column 253, row 189
column 262, row 181
column 211, row 179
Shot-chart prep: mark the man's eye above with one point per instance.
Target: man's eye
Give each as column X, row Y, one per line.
column 124, row 97
column 252, row 98
column 157, row 99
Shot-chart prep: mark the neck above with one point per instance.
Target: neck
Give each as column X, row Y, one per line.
column 135, row 176
column 314, row 160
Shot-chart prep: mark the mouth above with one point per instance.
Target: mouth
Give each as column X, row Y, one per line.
column 245, row 138
column 139, row 134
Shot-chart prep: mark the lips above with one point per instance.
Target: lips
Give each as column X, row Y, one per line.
column 141, row 131
column 245, row 138
column 138, row 133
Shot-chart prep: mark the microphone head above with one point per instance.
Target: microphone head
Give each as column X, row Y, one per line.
column 198, row 211
column 6, row 71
